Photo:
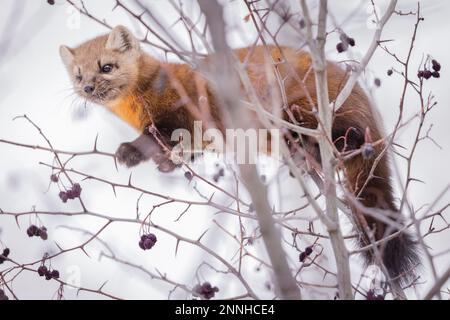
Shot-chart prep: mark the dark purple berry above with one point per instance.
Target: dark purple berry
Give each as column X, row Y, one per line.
column 427, row 74
column 51, row 2
column 377, row 82
column 308, row 251
column 188, row 175
column 6, row 252
column 141, row 245
column 31, row 231
column 48, row 275
column 70, row 194
column 351, row 42
column 43, row 234
column 390, row 72
column 436, row 65
column 341, row 47
column 63, row 196
column 372, row 295
column 148, row 244
column 152, row 237
column 302, row 23
column 76, row 190
column 436, row 74
column 206, row 290
column 54, row 178
column 420, row 74
column 42, row 270
column 302, row 257
column 55, row 274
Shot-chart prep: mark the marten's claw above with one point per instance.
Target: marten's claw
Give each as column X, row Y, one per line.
column 129, row 155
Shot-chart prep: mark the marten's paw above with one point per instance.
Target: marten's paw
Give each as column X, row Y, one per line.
column 164, row 163
column 129, row 155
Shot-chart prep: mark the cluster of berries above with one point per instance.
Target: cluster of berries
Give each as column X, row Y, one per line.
column 372, row 295
column 206, row 290
column 43, row 271
column 306, row 253
column 34, row 231
column 70, row 194
column 3, row 296
column 147, row 241
column 345, row 42
column 4, row 255
column 427, row 74
column 218, row 175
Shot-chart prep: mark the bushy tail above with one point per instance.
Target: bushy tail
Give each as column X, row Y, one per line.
column 399, row 254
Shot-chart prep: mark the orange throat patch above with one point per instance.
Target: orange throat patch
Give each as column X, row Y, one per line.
column 129, row 110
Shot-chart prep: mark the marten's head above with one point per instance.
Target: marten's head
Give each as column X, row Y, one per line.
column 105, row 68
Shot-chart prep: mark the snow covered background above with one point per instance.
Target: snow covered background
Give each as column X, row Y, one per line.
column 33, row 81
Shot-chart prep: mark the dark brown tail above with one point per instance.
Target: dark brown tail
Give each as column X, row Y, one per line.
column 400, row 254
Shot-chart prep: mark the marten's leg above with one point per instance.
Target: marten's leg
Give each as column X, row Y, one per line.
column 133, row 153
column 399, row 254
column 151, row 144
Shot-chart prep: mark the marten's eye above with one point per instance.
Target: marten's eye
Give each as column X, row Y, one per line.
column 79, row 77
column 107, row 68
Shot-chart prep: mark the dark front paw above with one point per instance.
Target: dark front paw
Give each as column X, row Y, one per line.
column 129, row 155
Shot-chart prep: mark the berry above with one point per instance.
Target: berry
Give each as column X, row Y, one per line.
column 377, row 82
column 42, row 270
column 148, row 244
column 427, row 74
column 48, row 275
column 302, row 23
column 420, row 74
column 436, row 65
column 372, row 295
column 55, row 274
column 147, row 241
column 302, row 256
column 51, row 2
column 341, row 47
column 70, row 194
column 43, row 233
column 152, row 237
column 436, row 74
column 3, row 296
column 63, row 196
column 32, row 230
column 308, row 251
column 188, row 175
column 206, row 290
column 6, row 252
column 367, row 150
column 351, row 42
column 76, row 190
column 390, row 72
column 54, row 178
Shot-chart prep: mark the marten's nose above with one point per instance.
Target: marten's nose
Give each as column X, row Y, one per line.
column 89, row 89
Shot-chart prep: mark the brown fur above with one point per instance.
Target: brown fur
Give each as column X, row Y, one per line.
column 139, row 92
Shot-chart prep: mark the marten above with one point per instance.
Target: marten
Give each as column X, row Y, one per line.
column 112, row 70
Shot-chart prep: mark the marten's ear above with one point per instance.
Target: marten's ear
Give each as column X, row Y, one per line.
column 121, row 39
column 66, row 55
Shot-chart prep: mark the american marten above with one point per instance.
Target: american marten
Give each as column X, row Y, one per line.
column 112, row 70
